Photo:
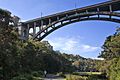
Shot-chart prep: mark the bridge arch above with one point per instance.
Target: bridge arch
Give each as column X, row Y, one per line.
column 106, row 11
column 102, row 16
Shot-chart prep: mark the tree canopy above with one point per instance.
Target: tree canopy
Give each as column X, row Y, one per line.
column 111, row 47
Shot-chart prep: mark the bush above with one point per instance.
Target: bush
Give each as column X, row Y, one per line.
column 97, row 77
column 23, row 77
column 76, row 73
column 93, row 77
column 37, row 74
column 61, row 74
column 114, row 71
column 1, row 73
column 75, row 77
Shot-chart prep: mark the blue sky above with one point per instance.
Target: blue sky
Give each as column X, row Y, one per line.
column 83, row 38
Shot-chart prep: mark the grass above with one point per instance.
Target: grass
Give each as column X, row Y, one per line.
column 87, row 73
column 85, row 76
column 75, row 77
column 37, row 78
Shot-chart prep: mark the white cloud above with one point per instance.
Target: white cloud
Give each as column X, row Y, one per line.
column 98, row 58
column 88, row 48
column 72, row 45
column 69, row 45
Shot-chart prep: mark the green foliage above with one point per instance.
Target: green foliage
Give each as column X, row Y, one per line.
column 87, row 73
column 114, row 70
column 111, row 53
column 111, row 47
column 27, row 60
column 86, row 76
column 85, row 65
column 61, row 74
column 75, row 77
column 23, row 77
column 8, row 48
column 97, row 77
column 103, row 66
column 37, row 73
column 18, row 58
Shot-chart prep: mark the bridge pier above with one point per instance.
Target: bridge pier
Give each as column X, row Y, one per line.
column 34, row 29
column 24, row 33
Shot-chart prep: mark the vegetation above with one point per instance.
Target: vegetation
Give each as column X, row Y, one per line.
column 75, row 77
column 111, row 47
column 86, row 76
column 111, row 54
column 27, row 60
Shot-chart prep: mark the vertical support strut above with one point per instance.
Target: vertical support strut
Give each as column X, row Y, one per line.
column 27, row 31
column 66, row 15
column 58, row 18
column 61, row 22
column 39, row 31
column 87, row 12
column 76, row 13
column 49, row 21
column 98, row 10
column 41, row 25
column 110, row 8
column 34, row 29
column 22, row 31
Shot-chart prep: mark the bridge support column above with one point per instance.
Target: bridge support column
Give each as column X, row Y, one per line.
column 110, row 7
column 49, row 21
column 22, row 32
column 27, row 32
column 41, row 27
column 98, row 10
column 34, row 29
column 66, row 15
column 57, row 18
column 61, row 22
column 87, row 12
column 39, row 30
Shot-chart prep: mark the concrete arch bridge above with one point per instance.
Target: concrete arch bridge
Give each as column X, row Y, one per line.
column 106, row 11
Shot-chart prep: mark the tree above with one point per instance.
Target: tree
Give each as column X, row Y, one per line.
column 111, row 47
column 8, row 37
column 111, row 54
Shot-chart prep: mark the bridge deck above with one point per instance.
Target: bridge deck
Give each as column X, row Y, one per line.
column 93, row 8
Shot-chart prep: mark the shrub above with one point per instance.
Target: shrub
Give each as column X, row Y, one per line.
column 114, row 71
column 75, row 77
column 97, row 77
column 37, row 73
column 23, row 77
column 61, row 74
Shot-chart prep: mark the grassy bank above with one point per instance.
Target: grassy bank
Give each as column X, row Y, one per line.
column 86, row 76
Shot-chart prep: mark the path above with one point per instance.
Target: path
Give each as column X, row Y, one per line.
column 53, row 77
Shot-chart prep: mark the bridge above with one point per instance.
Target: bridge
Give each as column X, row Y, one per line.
column 43, row 26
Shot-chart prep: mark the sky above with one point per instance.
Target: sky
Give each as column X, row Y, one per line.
column 83, row 38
